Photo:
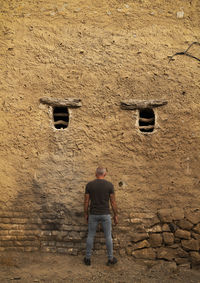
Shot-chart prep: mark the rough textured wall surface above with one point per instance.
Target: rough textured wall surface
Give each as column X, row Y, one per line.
column 102, row 52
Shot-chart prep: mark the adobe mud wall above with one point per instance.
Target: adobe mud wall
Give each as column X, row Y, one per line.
column 101, row 53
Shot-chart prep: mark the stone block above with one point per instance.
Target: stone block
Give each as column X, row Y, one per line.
column 4, row 232
column 29, row 232
column 165, row 215
column 6, row 243
column 79, row 228
column 174, row 246
column 25, row 238
column 155, row 229
column 165, row 228
column 195, row 257
column 6, row 214
column 136, row 220
column 166, row 253
column 185, row 224
column 18, row 220
column 64, row 244
column 191, row 244
column 5, row 220
column 178, row 213
column 139, row 237
column 31, row 249
column 62, row 250
column 147, row 253
column 181, row 260
column 122, row 252
column 66, row 227
column 46, row 233
column 139, row 228
column 184, row 266
column 124, row 228
column 193, row 216
column 168, row 238
column 83, row 234
column 183, row 234
column 153, row 221
column 181, row 252
column 28, row 227
column 98, row 246
column 74, row 236
column 8, row 226
column 81, row 245
column 61, row 236
column 48, row 243
column 197, row 229
column 141, row 245
column 169, row 214
column 35, row 220
column 72, row 251
column 26, row 243
column 7, row 238
column 83, row 228
column 48, row 249
column 195, row 236
column 155, row 240
column 21, row 214
column 16, row 249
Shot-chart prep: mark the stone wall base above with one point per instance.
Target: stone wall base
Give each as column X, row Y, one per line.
column 169, row 234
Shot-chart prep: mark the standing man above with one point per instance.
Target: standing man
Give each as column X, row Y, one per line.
column 98, row 194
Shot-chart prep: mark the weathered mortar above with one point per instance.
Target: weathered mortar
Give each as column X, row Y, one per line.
column 55, row 50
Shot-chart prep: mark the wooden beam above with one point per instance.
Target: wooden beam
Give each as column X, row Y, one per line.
column 146, row 120
column 146, row 127
column 142, row 104
column 61, row 122
column 55, row 102
column 60, row 115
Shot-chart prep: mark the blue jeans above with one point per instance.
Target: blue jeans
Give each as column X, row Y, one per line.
column 107, row 228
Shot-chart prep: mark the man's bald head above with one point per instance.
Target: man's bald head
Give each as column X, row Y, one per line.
column 100, row 172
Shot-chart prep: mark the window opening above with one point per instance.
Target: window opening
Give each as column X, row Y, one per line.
column 146, row 120
column 61, row 117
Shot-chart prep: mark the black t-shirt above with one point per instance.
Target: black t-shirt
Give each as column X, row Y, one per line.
column 99, row 191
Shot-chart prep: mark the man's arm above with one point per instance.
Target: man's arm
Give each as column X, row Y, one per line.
column 86, row 206
column 114, row 207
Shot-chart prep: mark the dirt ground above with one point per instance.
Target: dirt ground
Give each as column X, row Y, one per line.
column 37, row 267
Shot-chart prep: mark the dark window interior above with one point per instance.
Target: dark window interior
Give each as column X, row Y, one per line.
column 146, row 120
column 61, row 117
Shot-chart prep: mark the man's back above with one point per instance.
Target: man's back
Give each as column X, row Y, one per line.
column 99, row 191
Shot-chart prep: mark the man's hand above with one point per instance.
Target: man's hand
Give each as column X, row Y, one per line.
column 115, row 219
column 114, row 208
column 86, row 205
column 86, row 218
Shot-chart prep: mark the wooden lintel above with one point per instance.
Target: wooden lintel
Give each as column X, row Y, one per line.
column 142, row 104
column 55, row 102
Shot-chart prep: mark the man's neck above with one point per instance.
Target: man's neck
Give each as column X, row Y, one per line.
column 100, row 177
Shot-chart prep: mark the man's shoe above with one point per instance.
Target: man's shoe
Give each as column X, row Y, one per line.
column 112, row 261
column 87, row 261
